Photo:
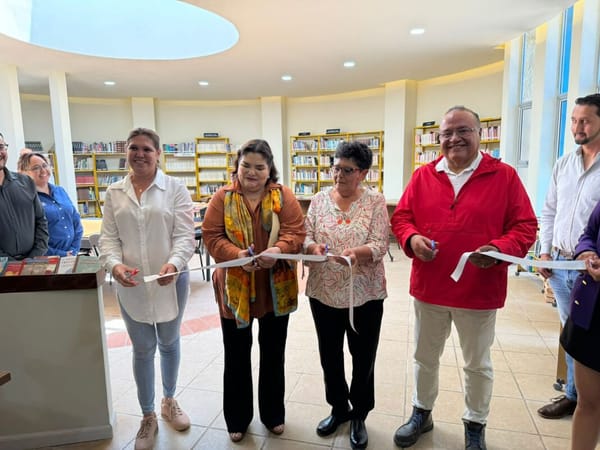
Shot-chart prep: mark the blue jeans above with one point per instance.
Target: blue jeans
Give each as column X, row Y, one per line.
column 145, row 337
column 561, row 283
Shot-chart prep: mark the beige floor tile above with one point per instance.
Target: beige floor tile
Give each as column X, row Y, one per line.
column 389, row 399
column 538, row 364
column 210, row 378
column 554, row 443
column 536, row 387
column 522, row 344
column 215, row 439
column 202, row 406
column 505, row 385
column 510, row 414
column 301, row 423
column 309, row 389
column 509, row 440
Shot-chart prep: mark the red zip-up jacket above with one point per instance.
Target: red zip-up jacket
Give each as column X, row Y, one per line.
column 492, row 208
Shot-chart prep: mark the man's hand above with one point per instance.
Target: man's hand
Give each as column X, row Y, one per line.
column 423, row 248
column 546, row 273
column 482, row 261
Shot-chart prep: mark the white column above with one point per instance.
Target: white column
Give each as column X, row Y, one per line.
column 11, row 118
column 274, row 132
column 142, row 112
column 399, row 123
column 61, row 124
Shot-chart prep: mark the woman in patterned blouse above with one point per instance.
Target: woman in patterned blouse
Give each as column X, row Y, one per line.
column 351, row 220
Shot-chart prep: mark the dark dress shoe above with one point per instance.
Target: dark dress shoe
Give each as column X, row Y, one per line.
column 419, row 422
column 474, row 436
column 559, row 408
column 358, row 434
column 331, row 423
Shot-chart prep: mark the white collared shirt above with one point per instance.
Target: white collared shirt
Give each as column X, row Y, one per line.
column 572, row 195
column 158, row 229
column 458, row 180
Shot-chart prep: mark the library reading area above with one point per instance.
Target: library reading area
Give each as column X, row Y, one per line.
column 96, row 353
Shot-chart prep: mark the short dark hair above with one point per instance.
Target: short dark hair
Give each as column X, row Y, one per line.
column 357, row 151
column 465, row 109
column 591, row 100
column 25, row 160
column 261, row 147
column 150, row 134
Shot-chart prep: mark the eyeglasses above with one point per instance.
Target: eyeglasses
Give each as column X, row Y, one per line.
column 3, row 147
column 38, row 168
column 345, row 170
column 460, row 132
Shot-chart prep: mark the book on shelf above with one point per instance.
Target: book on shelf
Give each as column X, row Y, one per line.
column 122, row 164
column 87, row 264
column 13, row 269
column 67, row 264
column 40, row 265
column 101, row 164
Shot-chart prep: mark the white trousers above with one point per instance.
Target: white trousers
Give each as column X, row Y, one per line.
column 476, row 330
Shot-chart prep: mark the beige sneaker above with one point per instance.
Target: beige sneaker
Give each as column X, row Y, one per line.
column 147, row 433
column 172, row 413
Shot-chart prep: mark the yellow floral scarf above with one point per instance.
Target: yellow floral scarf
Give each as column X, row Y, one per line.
column 240, row 289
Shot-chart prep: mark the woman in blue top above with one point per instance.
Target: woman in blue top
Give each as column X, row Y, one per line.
column 64, row 223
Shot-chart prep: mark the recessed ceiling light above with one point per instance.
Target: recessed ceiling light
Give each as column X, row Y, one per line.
column 416, row 31
column 286, row 77
column 109, row 83
column 203, row 83
column 349, row 64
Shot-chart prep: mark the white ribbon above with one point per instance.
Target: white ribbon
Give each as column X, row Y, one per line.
column 289, row 256
column 525, row 262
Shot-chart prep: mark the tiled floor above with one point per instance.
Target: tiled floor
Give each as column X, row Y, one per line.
column 524, row 353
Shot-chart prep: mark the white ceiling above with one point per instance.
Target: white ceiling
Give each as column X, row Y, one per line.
column 308, row 39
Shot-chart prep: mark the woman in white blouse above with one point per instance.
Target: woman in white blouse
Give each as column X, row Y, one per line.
column 350, row 220
column 147, row 229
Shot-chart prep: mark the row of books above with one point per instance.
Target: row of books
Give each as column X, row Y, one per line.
column 99, row 147
column 49, row 265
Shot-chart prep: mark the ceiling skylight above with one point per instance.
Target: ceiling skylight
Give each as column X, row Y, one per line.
column 126, row 29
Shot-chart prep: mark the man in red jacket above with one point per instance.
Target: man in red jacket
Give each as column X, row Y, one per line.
column 464, row 201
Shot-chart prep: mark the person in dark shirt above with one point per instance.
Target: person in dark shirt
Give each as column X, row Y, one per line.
column 23, row 225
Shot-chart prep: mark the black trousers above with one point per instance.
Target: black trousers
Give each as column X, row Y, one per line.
column 332, row 324
column 237, row 377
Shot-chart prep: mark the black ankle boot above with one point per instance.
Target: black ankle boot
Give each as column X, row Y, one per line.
column 419, row 422
column 359, row 438
column 474, row 436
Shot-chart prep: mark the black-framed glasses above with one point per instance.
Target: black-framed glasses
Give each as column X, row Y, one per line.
column 460, row 132
column 345, row 170
column 3, row 147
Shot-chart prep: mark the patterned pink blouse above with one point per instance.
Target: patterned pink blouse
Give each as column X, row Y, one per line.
column 365, row 223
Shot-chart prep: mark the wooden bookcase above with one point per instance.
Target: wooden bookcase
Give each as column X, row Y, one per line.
column 427, row 141
column 213, row 164
column 312, row 156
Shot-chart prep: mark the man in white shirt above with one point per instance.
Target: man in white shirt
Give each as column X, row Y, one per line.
column 573, row 193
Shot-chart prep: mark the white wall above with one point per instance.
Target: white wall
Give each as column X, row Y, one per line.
column 180, row 121
column 352, row 111
column 37, row 120
column 478, row 89
column 94, row 120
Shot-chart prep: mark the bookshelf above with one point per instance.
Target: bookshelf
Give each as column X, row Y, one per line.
column 213, row 164
column 97, row 166
column 427, row 141
column 179, row 161
column 312, row 156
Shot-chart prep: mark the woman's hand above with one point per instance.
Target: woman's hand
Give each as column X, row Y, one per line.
column 317, row 249
column 164, row 270
column 592, row 265
column 125, row 275
column 251, row 266
column 264, row 262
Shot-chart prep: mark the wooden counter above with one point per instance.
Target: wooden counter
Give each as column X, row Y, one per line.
column 52, row 340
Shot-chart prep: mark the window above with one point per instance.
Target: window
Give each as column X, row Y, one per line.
column 563, row 80
column 527, row 62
